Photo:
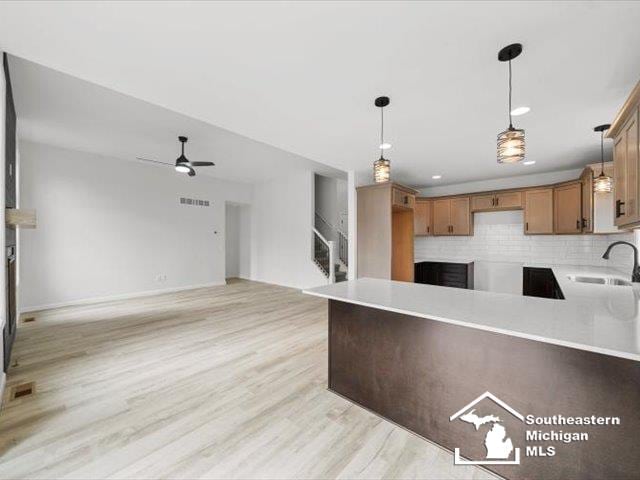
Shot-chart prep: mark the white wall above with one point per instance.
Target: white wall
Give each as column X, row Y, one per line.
column 283, row 211
column 3, row 286
column 499, row 237
column 110, row 227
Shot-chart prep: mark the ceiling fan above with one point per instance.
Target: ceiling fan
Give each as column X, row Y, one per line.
column 183, row 164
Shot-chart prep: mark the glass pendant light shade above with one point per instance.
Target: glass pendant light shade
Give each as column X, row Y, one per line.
column 511, row 145
column 602, row 184
column 381, row 170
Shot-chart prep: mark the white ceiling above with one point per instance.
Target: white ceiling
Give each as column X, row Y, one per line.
column 58, row 109
column 302, row 76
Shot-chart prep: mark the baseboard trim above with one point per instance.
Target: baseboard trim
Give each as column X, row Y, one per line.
column 110, row 298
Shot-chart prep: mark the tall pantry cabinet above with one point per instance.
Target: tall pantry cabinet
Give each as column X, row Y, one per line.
column 385, row 231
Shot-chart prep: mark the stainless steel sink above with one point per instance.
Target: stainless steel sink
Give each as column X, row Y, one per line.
column 600, row 280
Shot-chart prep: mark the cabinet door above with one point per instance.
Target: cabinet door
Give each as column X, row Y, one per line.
column 422, row 218
column 509, row 200
column 441, row 217
column 403, row 199
column 460, row 216
column 619, row 180
column 630, row 131
column 567, row 212
column 483, row 202
column 587, row 200
column 538, row 211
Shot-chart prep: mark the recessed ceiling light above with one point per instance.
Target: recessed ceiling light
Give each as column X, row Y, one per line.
column 520, row 111
column 385, row 146
column 436, row 177
column 529, row 162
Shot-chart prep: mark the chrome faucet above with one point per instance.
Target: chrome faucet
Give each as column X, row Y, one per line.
column 635, row 275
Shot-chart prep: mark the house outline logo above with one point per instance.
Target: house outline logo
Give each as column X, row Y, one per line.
column 458, row 460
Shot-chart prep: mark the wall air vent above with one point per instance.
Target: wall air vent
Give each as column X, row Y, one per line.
column 194, row 202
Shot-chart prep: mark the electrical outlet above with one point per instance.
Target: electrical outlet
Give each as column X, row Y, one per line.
column 161, row 278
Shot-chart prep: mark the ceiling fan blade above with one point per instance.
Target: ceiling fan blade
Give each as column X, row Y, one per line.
column 153, row 161
column 202, row 164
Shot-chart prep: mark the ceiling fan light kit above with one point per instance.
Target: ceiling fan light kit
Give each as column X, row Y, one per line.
column 511, row 144
column 382, row 166
column 182, row 165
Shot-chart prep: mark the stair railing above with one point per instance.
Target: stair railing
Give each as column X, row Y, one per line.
column 332, row 232
column 324, row 255
column 343, row 248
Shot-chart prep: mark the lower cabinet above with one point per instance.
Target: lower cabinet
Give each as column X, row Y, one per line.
column 540, row 282
column 444, row 274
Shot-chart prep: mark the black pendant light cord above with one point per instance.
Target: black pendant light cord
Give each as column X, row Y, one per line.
column 510, row 121
column 602, row 152
column 381, row 130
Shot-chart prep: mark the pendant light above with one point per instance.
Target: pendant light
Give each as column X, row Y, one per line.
column 511, row 141
column 602, row 183
column 382, row 166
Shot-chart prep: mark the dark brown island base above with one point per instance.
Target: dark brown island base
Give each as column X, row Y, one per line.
column 425, row 375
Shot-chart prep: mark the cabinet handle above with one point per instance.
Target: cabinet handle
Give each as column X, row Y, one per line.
column 493, row 202
column 578, row 224
column 406, row 199
column 526, row 226
column 428, row 229
column 497, row 201
column 584, row 223
column 619, row 212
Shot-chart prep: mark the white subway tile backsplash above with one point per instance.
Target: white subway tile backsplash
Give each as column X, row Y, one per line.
column 507, row 242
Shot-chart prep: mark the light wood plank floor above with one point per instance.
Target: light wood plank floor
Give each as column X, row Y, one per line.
column 223, row 382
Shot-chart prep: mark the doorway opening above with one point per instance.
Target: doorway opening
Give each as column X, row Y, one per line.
column 237, row 241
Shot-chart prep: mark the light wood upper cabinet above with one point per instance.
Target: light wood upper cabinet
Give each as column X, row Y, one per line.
column 625, row 159
column 625, row 131
column 452, row 216
column 422, row 218
column 586, row 180
column 567, row 208
column 403, row 199
column 481, row 203
column 460, row 216
column 619, row 179
column 538, row 211
column 509, row 200
column 496, row 201
column 441, row 217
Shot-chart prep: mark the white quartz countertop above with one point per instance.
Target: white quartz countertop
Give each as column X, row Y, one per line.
column 597, row 318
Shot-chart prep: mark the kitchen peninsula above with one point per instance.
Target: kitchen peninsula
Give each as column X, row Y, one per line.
column 416, row 354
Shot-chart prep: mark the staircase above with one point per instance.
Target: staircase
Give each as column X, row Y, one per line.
column 322, row 260
column 324, row 256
